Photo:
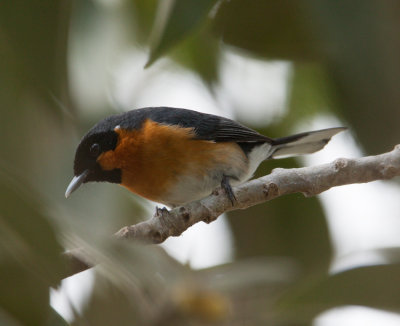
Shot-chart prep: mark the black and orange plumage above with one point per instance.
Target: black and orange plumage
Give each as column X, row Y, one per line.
column 174, row 156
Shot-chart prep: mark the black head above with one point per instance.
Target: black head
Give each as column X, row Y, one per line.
column 86, row 167
column 102, row 138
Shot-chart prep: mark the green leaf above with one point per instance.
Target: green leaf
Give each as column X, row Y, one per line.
column 373, row 286
column 364, row 64
column 33, row 47
column 55, row 319
column 7, row 320
column 291, row 226
column 200, row 53
column 174, row 21
column 273, row 29
column 30, row 255
column 131, row 284
column 143, row 16
column 312, row 93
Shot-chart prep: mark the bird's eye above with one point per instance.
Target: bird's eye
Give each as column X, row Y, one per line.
column 95, row 150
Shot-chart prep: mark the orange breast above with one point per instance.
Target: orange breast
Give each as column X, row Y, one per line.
column 154, row 158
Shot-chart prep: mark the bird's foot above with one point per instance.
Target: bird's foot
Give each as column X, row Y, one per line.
column 228, row 189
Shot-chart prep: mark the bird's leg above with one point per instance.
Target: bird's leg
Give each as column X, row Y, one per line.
column 228, row 189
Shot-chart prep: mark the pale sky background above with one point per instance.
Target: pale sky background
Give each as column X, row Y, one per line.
column 360, row 217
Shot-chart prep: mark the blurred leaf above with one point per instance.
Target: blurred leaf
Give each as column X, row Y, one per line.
column 373, row 286
column 110, row 305
column 252, row 287
column 30, row 260
column 206, row 305
column 131, row 285
column 33, row 38
column 7, row 320
column 392, row 254
column 55, row 319
column 312, row 93
column 33, row 70
column 364, row 64
column 250, row 272
column 357, row 40
column 200, row 53
column 389, row 254
column 144, row 13
column 272, row 29
column 291, row 226
column 174, row 21
column 33, row 74
column 141, row 285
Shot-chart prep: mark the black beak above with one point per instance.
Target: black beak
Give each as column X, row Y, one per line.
column 76, row 182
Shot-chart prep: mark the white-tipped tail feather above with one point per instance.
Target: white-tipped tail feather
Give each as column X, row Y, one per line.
column 304, row 143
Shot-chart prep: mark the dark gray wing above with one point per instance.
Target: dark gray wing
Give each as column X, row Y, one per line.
column 205, row 126
column 229, row 130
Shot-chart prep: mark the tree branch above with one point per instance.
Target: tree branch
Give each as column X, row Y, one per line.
column 309, row 180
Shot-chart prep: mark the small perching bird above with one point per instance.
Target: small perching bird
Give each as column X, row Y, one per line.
column 174, row 156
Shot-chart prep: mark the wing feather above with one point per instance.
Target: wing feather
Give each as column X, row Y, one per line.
column 226, row 130
column 206, row 126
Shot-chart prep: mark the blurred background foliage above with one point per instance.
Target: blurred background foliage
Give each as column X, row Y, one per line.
column 345, row 62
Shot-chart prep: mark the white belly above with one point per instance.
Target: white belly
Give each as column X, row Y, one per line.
column 192, row 186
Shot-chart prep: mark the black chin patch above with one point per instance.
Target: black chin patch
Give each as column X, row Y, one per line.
column 113, row 176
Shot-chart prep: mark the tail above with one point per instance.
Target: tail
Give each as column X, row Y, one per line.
column 304, row 143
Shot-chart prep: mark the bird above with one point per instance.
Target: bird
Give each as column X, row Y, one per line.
column 173, row 156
